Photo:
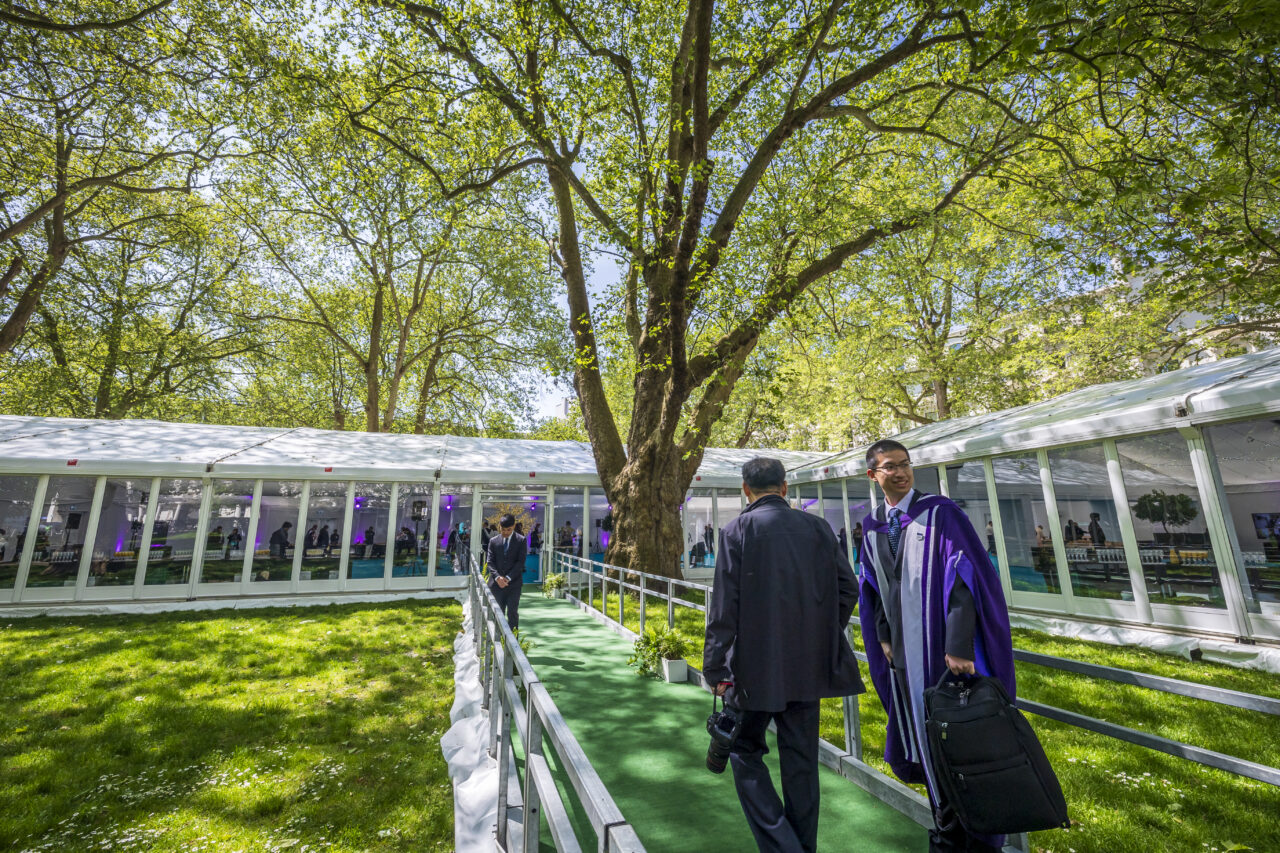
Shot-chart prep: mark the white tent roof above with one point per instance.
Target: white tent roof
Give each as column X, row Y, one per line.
column 156, row 448
column 1234, row 388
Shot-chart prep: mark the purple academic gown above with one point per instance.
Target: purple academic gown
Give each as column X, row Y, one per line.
column 938, row 543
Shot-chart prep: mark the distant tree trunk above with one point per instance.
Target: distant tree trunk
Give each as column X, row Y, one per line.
column 429, row 376
column 941, row 399
column 15, row 325
column 372, row 364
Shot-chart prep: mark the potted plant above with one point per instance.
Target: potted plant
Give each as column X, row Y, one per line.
column 662, row 650
column 553, row 586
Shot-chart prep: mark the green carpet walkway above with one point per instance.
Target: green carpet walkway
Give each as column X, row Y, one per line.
column 648, row 741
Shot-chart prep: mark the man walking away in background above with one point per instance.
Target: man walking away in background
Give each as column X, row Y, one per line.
column 775, row 645
column 931, row 602
column 506, row 569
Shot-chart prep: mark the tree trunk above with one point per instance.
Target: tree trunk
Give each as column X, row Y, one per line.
column 15, row 326
column 372, row 387
column 646, row 499
column 424, row 393
column 941, row 399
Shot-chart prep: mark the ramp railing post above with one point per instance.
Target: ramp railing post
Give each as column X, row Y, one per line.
column 671, row 604
column 532, row 797
column 502, row 739
column 644, row 588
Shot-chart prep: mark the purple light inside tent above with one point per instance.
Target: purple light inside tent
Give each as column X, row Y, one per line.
column 809, row 503
column 120, row 544
column 604, row 539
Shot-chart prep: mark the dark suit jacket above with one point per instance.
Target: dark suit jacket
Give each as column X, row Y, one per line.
column 783, row 594
column 508, row 562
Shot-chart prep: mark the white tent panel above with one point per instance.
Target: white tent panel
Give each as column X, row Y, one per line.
column 51, row 445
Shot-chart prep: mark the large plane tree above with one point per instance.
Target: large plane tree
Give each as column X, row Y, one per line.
column 731, row 154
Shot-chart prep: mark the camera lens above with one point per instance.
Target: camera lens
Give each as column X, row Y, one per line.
column 723, row 730
column 717, row 757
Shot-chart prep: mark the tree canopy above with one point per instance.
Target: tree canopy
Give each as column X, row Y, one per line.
column 742, row 222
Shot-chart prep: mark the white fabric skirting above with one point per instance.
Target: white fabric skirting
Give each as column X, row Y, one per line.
column 466, row 749
column 1262, row 658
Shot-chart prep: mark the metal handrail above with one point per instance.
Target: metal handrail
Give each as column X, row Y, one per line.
column 585, row 566
column 1178, row 749
column 504, row 669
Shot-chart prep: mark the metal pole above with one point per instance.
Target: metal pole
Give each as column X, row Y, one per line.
column 33, row 532
column 1055, row 528
column 848, row 524
column 202, row 530
column 503, row 743
column 1128, row 536
column 90, row 537
column 144, row 546
column 251, row 538
column 997, row 527
column 348, row 536
column 532, row 797
column 389, row 551
column 671, row 607
column 433, row 526
column 1226, row 549
column 644, row 588
column 300, row 536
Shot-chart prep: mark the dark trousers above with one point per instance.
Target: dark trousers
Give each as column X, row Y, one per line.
column 790, row 824
column 508, row 602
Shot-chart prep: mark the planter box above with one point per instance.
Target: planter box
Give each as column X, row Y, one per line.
column 558, row 592
column 675, row 671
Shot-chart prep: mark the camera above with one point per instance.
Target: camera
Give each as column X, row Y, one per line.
column 723, row 727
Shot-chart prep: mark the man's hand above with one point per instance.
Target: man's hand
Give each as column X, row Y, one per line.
column 888, row 650
column 723, row 687
column 960, row 666
column 502, row 582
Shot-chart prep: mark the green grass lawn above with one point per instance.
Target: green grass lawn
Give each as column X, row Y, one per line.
column 278, row 729
column 1122, row 797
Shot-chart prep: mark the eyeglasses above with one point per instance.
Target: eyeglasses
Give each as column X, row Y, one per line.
column 894, row 468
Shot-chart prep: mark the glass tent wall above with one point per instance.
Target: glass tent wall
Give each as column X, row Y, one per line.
column 1131, row 529
column 1133, row 513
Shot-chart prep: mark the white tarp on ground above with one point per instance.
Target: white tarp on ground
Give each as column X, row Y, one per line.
column 1235, row 654
column 466, row 749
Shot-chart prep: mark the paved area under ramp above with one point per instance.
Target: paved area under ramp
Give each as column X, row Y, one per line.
column 647, row 739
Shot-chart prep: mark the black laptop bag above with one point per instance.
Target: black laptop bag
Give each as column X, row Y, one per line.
column 987, row 760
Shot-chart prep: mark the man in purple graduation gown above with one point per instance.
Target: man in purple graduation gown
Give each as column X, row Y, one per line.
column 929, row 601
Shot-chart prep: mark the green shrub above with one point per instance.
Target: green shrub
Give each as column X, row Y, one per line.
column 551, row 583
column 656, row 644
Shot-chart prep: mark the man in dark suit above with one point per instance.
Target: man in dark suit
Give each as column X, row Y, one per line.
column 506, row 569
column 775, row 645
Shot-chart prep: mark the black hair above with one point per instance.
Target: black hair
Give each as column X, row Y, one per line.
column 764, row 474
column 507, row 520
column 884, row 445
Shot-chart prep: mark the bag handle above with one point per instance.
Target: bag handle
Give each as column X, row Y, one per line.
column 960, row 678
